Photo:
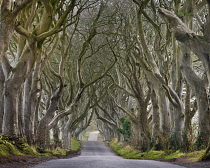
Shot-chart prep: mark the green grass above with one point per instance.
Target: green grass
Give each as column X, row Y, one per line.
column 29, row 150
column 8, row 147
column 75, row 144
column 58, row 152
column 130, row 152
column 195, row 156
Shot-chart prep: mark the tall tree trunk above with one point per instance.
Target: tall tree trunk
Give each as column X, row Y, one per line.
column 10, row 107
column 201, row 98
column 12, row 88
column 47, row 143
column 27, row 104
column 163, row 113
column 155, row 121
column 2, row 80
column 7, row 26
column 177, row 130
column 187, row 119
column 31, row 101
column 56, row 133
column 42, row 129
column 36, row 115
column 67, row 134
column 20, row 114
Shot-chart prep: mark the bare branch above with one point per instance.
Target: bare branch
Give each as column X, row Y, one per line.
column 105, row 120
column 21, row 6
column 122, row 88
column 57, row 27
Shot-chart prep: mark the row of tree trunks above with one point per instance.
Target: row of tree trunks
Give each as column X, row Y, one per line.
column 199, row 47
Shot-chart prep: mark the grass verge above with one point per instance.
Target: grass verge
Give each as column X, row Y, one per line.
column 10, row 146
column 129, row 152
column 75, row 144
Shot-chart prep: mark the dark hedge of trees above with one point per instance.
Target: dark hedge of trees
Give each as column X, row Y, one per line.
column 138, row 69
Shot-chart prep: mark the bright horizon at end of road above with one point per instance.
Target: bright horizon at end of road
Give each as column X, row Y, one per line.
column 93, row 136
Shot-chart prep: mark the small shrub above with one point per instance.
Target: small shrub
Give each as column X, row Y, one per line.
column 75, row 144
column 11, row 148
column 126, row 128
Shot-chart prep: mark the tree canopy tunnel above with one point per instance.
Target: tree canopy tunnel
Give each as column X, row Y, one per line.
column 138, row 68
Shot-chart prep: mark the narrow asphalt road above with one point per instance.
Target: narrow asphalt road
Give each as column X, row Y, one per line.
column 96, row 154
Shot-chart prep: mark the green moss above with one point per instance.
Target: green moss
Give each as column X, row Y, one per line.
column 1, row 141
column 59, row 152
column 6, row 148
column 195, row 156
column 12, row 149
column 154, row 154
column 75, row 144
column 125, row 151
column 130, row 152
column 15, row 146
column 29, row 150
column 176, row 154
column 47, row 154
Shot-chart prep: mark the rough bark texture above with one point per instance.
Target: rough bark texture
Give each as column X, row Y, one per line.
column 163, row 113
column 42, row 130
column 12, row 87
column 155, row 120
column 56, row 134
column 27, row 105
column 10, row 106
column 67, row 134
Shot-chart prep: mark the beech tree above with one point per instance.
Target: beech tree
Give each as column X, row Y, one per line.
column 65, row 64
column 198, row 46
